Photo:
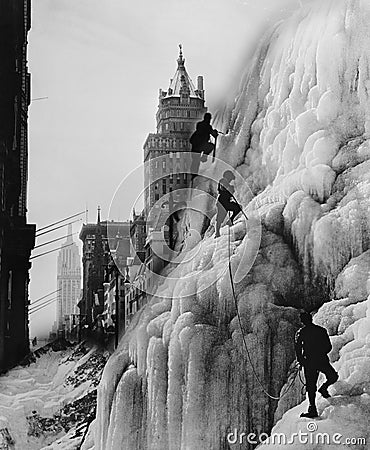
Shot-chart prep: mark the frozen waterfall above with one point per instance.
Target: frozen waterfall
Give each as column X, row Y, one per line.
column 299, row 136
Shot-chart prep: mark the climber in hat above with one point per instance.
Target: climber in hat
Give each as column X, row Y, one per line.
column 226, row 200
column 312, row 345
column 199, row 141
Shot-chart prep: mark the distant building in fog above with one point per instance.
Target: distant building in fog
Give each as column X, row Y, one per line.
column 68, row 282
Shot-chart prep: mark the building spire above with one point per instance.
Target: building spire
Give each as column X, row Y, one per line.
column 181, row 59
column 98, row 222
column 69, row 234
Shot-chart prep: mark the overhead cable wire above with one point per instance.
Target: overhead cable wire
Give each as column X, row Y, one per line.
column 57, row 228
column 31, row 308
column 54, row 240
column 60, row 221
column 44, row 296
column 42, row 306
column 51, row 251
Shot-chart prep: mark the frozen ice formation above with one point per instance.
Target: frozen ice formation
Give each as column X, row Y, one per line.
column 299, row 136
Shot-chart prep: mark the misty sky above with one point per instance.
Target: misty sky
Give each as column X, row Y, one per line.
column 101, row 63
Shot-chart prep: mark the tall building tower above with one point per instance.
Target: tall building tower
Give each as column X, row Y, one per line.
column 17, row 237
column 179, row 109
column 167, row 163
column 69, row 281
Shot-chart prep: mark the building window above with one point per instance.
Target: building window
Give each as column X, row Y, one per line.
column 163, row 164
column 178, row 155
column 171, row 154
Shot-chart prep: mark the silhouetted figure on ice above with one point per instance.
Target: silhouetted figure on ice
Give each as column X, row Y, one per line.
column 312, row 345
column 199, row 141
column 226, row 201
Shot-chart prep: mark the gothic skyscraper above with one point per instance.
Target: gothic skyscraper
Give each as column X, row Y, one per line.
column 69, row 281
column 179, row 109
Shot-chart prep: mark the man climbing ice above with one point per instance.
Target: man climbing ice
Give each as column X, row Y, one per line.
column 225, row 201
column 199, row 141
column 312, row 345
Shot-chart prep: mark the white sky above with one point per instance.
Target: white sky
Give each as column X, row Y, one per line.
column 101, row 63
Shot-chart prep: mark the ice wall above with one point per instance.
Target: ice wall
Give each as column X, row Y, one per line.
column 299, row 135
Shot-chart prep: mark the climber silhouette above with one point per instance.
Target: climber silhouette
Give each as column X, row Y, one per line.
column 199, row 141
column 225, row 200
column 312, row 345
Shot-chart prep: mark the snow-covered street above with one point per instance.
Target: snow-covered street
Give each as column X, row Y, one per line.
column 47, row 404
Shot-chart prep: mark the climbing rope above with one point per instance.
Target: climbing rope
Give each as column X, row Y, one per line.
column 297, row 368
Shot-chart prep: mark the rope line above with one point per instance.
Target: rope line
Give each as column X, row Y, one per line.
column 297, row 369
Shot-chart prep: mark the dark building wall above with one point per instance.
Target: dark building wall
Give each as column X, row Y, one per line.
column 138, row 236
column 16, row 236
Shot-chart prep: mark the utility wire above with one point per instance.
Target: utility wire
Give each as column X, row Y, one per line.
column 57, row 228
column 51, row 251
column 38, row 98
column 60, row 221
column 55, row 240
column 43, row 303
column 44, row 296
column 42, row 307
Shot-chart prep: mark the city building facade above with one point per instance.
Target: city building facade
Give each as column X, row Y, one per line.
column 17, row 237
column 101, row 241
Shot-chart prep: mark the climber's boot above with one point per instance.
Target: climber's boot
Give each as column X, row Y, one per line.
column 311, row 413
column 324, row 392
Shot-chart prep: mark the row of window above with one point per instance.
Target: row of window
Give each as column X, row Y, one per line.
column 176, row 101
column 169, row 184
column 177, row 126
column 189, row 113
column 167, row 143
